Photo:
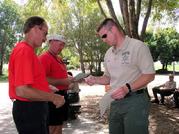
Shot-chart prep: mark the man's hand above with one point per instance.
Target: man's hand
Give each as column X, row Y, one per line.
column 58, row 100
column 70, row 78
column 53, row 88
column 177, row 89
column 120, row 93
column 90, row 80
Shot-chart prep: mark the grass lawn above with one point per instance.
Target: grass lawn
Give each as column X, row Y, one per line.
column 171, row 67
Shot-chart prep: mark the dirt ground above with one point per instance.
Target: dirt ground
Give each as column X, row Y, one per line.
column 163, row 118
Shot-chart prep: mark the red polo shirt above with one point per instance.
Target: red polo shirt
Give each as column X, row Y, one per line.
column 25, row 69
column 54, row 68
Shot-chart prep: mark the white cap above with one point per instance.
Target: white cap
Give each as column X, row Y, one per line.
column 56, row 37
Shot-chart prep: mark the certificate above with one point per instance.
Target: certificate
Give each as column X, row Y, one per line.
column 80, row 76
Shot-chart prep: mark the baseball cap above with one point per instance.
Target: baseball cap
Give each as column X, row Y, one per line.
column 56, row 37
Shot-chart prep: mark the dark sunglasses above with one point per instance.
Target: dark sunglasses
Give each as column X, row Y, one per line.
column 104, row 36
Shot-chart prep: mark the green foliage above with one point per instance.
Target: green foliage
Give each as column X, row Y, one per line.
column 72, row 58
column 163, row 7
column 10, row 27
column 164, row 49
column 3, row 78
column 152, row 43
column 164, row 45
column 35, row 8
column 77, row 20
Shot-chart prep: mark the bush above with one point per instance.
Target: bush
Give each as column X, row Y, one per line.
column 70, row 67
column 3, row 77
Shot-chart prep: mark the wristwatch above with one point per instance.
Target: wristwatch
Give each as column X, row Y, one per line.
column 129, row 87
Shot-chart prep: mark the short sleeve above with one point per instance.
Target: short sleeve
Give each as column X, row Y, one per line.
column 145, row 60
column 105, row 66
column 23, row 67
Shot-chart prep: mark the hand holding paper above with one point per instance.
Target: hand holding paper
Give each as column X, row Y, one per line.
column 105, row 102
column 90, row 80
column 80, row 77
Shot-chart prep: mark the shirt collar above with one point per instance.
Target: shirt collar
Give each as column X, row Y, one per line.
column 123, row 45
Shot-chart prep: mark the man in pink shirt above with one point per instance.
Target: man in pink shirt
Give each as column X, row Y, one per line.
column 56, row 73
column 28, row 87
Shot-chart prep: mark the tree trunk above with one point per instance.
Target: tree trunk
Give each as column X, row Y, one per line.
column 101, row 9
column 142, row 35
column 1, row 67
column 132, row 19
column 130, row 13
column 2, row 53
column 1, row 59
column 81, row 61
column 125, row 16
column 99, row 67
column 163, row 66
column 113, row 15
column 138, row 10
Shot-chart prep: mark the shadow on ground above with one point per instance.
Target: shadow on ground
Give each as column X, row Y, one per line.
column 162, row 119
column 6, row 123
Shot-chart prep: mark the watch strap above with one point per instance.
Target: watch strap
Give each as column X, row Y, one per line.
column 129, row 87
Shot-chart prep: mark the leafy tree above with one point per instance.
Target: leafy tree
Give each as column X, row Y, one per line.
column 77, row 20
column 152, row 43
column 35, row 8
column 133, row 10
column 167, row 40
column 164, row 46
column 9, row 29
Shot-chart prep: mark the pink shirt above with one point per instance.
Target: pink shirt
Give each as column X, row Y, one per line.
column 54, row 67
column 25, row 69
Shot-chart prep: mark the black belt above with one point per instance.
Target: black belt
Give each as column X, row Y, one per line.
column 36, row 102
column 141, row 91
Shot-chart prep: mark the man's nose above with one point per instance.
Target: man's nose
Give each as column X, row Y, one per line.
column 45, row 38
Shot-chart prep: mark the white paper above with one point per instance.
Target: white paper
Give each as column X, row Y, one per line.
column 105, row 102
column 80, row 76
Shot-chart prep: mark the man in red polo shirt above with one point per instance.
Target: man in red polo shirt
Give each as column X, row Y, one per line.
column 57, row 76
column 28, row 87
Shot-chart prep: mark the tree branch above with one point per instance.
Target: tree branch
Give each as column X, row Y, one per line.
column 146, row 20
column 101, row 9
column 125, row 15
column 138, row 9
column 112, row 12
column 134, row 19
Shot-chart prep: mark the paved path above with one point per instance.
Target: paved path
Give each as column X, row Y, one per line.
column 79, row 126
column 158, row 125
column 6, row 122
